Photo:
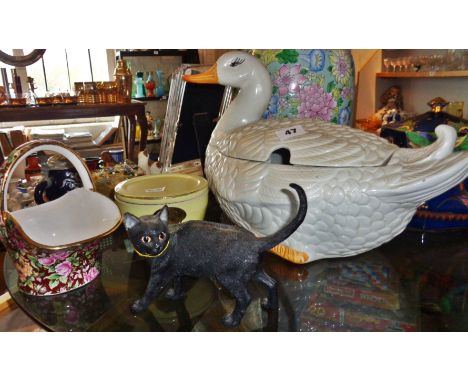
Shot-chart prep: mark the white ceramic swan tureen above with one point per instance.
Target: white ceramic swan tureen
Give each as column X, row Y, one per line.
column 362, row 190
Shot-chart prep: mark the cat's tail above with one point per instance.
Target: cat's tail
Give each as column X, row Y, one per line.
column 268, row 242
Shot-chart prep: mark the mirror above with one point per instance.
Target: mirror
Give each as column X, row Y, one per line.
column 23, row 60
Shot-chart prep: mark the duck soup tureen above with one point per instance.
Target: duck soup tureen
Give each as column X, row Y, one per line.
column 362, row 190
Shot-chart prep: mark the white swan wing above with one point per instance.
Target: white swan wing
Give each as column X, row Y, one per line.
column 421, row 180
column 310, row 142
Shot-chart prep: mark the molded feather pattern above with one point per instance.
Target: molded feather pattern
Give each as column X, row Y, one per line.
column 423, row 180
column 315, row 143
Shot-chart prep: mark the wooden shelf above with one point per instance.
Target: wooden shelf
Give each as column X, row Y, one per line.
column 439, row 74
column 189, row 56
column 152, row 52
column 150, row 140
column 161, row 98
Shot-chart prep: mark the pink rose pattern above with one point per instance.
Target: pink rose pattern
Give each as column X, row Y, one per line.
column 315, row 103
column 64, row 269
column 289, row 79
column 60, row 255
column 90, row 275
column 46, row 272
column 47, row 261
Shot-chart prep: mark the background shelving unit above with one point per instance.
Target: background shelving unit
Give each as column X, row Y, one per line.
column 418, row 87
column 439, row 74
column 149, row 60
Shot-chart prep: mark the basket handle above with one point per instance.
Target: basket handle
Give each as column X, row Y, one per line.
column 33, row 147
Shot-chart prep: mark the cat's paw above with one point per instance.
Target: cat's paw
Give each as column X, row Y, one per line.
column 137, row 307
column 231, row 320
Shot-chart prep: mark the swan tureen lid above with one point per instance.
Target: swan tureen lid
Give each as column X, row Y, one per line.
column 309, row 142
column 242, row 133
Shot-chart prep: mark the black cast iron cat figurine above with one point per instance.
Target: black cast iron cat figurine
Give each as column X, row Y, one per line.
column 227, row 254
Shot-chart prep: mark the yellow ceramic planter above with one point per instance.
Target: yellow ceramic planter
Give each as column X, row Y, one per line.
column 146, row 194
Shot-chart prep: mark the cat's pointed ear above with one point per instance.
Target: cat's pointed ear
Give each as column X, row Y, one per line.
column 163, row 214
column 129, row 220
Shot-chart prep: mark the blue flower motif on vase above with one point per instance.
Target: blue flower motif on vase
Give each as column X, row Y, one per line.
column 344, row 116
column 316, row 60
column 272, row 107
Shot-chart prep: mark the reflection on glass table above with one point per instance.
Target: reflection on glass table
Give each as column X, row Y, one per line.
column 416, row 282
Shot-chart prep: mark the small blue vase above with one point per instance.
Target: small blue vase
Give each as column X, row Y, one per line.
column 140, row 91
column 160, row 87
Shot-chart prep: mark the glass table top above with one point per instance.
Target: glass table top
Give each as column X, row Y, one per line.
column 416, row 282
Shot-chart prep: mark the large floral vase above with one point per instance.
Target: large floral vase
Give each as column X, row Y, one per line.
column 310, row 83
column 44, row 272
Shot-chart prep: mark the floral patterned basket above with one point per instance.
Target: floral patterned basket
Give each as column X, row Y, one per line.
column 55, row 245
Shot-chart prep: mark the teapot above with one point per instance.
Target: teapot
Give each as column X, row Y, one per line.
column 59, row 177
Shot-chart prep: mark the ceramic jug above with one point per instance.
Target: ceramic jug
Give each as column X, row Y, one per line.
column 59, row 178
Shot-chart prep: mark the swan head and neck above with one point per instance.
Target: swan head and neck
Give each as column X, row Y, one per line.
column 245, row 72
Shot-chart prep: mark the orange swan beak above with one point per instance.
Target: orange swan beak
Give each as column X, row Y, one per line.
column 208, row 77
